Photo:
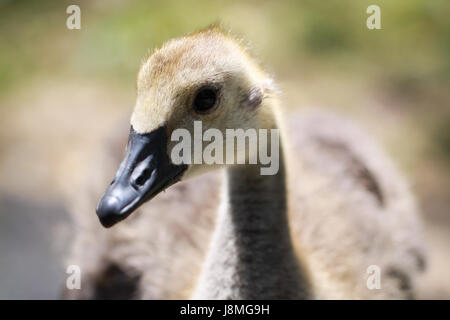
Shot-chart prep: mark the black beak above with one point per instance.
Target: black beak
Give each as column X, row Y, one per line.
column 145, row 171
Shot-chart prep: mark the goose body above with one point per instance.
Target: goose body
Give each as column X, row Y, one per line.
column 336, row 207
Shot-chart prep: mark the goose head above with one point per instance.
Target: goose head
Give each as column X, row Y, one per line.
column 207, row 77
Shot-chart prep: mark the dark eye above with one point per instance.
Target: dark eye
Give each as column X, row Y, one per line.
column 205, row 99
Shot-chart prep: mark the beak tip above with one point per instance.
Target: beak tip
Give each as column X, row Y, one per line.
column 108, row 211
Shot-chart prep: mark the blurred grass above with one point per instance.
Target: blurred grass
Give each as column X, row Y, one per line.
column 414, row 42
column 407, row 62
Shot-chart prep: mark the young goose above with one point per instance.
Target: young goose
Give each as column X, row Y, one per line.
column 335, row 207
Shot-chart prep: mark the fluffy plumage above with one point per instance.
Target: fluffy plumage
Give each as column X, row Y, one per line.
column 348, row 207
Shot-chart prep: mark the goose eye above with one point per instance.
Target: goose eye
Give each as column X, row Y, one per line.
column 205, row 99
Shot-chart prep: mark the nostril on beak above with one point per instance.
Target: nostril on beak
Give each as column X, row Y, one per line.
column 108, row 211
column 142, row 173
column 143, row 177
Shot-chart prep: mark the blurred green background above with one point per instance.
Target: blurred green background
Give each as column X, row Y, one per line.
column 62, row 90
